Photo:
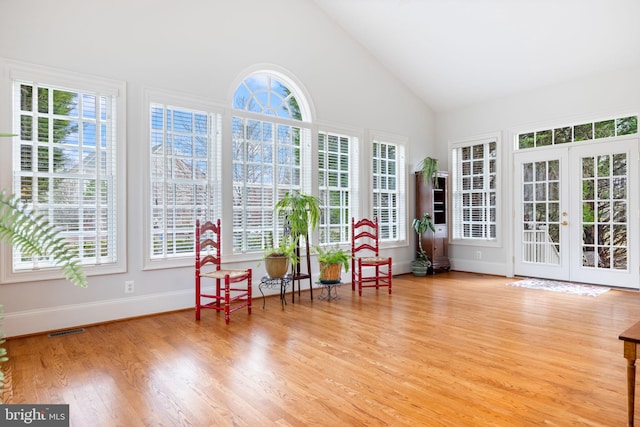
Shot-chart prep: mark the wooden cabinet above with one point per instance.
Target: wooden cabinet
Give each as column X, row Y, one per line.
column 433, row 199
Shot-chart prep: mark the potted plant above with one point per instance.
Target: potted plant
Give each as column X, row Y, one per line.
column 422, row 263
column 332, row 260
column 277, row 258
column 428, row 167
column 301, row 215
column 301, row 211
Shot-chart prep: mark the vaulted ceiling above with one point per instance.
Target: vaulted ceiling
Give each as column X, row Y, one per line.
column 454, row 53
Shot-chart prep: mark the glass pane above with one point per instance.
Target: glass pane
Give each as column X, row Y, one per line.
column 627, row 125
column 605, row 129
column 526, row 140
column 543, row 138
column 562, row 135
column 583, row 132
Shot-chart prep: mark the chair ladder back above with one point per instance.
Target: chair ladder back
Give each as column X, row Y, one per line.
column 363, row 234
column 208, row 238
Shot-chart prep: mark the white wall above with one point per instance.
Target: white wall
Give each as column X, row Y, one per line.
column 196, row 48
column 600, row 97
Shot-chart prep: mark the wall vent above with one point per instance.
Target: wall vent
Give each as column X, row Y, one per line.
column 67, row 332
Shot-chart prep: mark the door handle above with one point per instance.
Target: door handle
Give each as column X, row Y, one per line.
column 564, row 223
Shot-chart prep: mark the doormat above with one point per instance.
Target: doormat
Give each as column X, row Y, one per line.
column 566, row 287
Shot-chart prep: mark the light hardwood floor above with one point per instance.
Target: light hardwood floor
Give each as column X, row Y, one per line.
column 455, row 349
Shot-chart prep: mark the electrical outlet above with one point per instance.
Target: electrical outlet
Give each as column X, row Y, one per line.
column 128, row 287
column 478, row 254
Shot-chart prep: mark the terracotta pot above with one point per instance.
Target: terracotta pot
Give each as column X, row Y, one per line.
column 276, row 266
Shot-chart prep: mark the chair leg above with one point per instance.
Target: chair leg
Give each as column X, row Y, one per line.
column 249, row 293
column 197, row 298
column 227, row 299
column 353, row 277
column 218, row 292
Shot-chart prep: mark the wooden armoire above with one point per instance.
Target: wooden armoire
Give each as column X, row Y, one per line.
column 432, row 198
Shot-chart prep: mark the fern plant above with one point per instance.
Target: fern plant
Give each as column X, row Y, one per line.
column 302, row 212
column 33, row 235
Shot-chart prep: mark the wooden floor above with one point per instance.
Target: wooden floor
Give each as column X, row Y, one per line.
column 455, row 349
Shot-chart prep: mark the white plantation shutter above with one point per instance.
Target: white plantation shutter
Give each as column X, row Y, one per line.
column 337, row 171
column 185, row 177
column 389, row 183
column 474, row 187
column 66, row 166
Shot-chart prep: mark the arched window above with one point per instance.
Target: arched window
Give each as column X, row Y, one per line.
column 271, row 155
column 266, row 94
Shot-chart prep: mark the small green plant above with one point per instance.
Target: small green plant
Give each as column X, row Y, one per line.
column 421, row 225
column 333, row 255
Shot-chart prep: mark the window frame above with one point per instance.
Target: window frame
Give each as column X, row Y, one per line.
column 401, row 185
column 187, row 103
column 352, row 188
column 455, row 204
column 267, row 229
column 14, row 71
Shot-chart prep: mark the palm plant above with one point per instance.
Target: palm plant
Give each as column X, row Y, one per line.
column 421, row 225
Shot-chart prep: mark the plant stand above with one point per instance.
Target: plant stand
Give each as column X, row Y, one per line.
column 298, row 275
column 273, row 283
column 329, row 291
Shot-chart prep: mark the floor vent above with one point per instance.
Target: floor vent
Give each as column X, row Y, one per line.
column 67, row 332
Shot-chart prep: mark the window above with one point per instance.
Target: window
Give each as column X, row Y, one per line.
column 67, row 166
column 335, row 170
column 184, row 176
column 474, row 187
column 271, row 155
column 388, row 185
column 579, row 132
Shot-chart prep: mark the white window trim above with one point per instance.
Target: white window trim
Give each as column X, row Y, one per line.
column 14, row 70
column 151, row 96
column 479, row 139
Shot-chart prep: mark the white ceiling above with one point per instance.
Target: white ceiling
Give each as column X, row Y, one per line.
column 454, row 53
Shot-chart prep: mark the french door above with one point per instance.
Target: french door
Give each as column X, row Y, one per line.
column 576, row 213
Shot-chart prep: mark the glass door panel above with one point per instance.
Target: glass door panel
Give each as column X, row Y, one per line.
column 540, row 213
column 606, row 204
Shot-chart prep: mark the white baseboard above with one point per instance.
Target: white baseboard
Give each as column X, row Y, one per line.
column 484, row 267
column 70, row 316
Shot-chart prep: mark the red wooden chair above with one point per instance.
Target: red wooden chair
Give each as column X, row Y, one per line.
column 227, row 299
column 365, row 252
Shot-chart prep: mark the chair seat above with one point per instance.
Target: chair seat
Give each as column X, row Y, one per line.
column 374, row 260
column 220, row 274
